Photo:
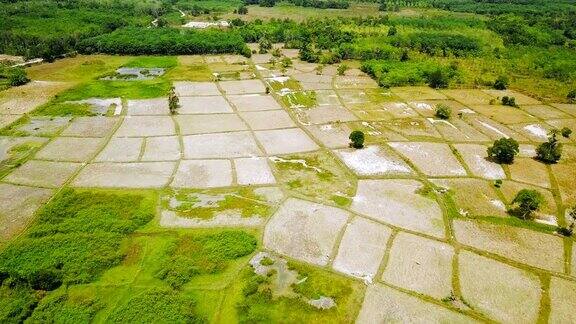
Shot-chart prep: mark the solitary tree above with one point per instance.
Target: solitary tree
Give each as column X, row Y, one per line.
column 443, row 111
column 551, row 151
column 504, row 150
column 242, row 10
column 173, row 101
column 527, row 201
column 438, row 79
column 509, row 101
column 566, row 132
column 357, row 139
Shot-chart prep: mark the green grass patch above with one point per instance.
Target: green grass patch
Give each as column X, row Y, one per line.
column 204, row 254
column 64, row 109
column 300, row 99
column 188, row 203
column 17, row 155
column 165, row 62
column 16, row 303
column 110, row 89
column 194, row 72
column 59, row 307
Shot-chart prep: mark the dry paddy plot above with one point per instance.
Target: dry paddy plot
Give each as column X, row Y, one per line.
column 43, row 173
column 139, row 126
column 254, row 102
column 475, row 156
column 17, row 206
column 204, row 105
column 469, row 96
column 188, row 89
column 121, row 149
column 273, row 119
column 415, row 128
column 434, row 159
column 427, row 108
column 42, row 126
column 220, row 145
column 362, row 248
column 547, row 209
column 421, row 265
column 285, row 141
column 521, row 99
column 328, row 114
column 213, row 123
column 90, row 127
column 506, row 294
column 562, row 301
column 242, row 87
column 504, row 114
column 398, row 202
column 521, row 245
column 70, row 149
column 305, row 231
column 161, row 148
column 473, row 197
column 386, row 305
column 253, row 171
column 125, row 175
column 333, row 135
column 457, row 130
column 203, row 174
column 374, row 160
column 530, row 171
column 418, row 93
column 545, row 112
column 156, row 106
column 23, row 99
column 567, row 108
column 493, row 129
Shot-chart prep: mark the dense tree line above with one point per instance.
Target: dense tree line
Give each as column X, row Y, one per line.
column 320, row 4
column 165, row 41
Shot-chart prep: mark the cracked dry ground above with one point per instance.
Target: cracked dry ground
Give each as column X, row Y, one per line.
column 414, row 215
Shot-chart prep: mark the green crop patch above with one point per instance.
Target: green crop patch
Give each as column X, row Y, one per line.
column 112, row 88
column 204, row 254
column 165, row 62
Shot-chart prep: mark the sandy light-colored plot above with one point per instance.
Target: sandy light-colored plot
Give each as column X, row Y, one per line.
column 204, row 105
column 121, row 149
column 305, row 230
column 504, row 114
column 242, row 87
column 493, row 129
column 545, row 112
column 383, row 304
column 567, row 108
column 6, row 120
column 416, row 128
column 562, row 301
column 420, row 265
column 17, row 206
column 475, row 156
column 521, row 99
column 253, row 171
column 213, row 123
column 469, row 96
column 43, row 126
column 530, row 171
column 90, row 127
column 474, row 197
column 254, row 102
column 125, row 175
column 23, row 99
column 70, row 149
column 327, row 98
column 156, row 106
column 504, row 293
column 354, row 82
column 163, row 148
column 398, row 203
column 285, row 141
column 537, row 132
column 9, row 146
column 374, row 160
column 221, row 145
column 418, row 93
column 138, row 126
column 362, row 248
column 273, row 119
column 333, row 135
column 187, row 89
column 43, row 173
column 203, row 174
column 522, row 245
column 434, row 159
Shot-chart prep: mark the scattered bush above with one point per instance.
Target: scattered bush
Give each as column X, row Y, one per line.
column 527, row 201
column 566, row 132
column 569, row 230
column 392, row 31
column 509, row 101
column 571, row 95
column 504, row 150
column 342, row 69
column 242, row 10
column 357, row 139
column 443, row 111
column 551, row 151
column 264, row 45
column 501, row 83
column 173, row 101
column 438, row 79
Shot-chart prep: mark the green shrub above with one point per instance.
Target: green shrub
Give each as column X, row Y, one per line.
column 16, row 303
column 504, row 150
column 59, row 308
column 356, row 139
column 571, row 96
column 173, row 101
column 551, row 151
column 443, row 111
column 527, row 201
column 501, row 83
column 392, row 31
column 438, row 79
column 204, row 254
column 157, row 306
column 509, row 101
column 566, row 132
